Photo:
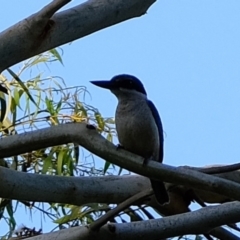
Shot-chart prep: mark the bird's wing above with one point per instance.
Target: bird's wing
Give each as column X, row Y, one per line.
column 159, row 126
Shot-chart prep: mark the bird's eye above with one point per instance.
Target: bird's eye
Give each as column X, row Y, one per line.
column 130, row 82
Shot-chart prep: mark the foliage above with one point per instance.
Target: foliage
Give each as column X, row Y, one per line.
column 42, row 102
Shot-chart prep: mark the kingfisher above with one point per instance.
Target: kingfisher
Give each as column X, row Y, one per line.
column 138, row 124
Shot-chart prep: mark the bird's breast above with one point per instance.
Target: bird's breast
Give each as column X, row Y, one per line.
column 137, row 130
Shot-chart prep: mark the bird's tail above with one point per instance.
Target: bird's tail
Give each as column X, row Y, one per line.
column 160, row 191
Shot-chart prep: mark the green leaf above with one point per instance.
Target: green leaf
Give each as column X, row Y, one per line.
column 58, row 108
column 56, row 54
column 72, row 216
column 16, row 96
column 100, row 121
column 47, row 163
column 22, row 85
column 11, row 217
column 20, row 93
column 109, row 137
column 60, row 161
column 50, row 107
column 80, row 107
column 106, row 166
column 13, row 105
column 69, row 162
column 64, row 219
column 38, row 59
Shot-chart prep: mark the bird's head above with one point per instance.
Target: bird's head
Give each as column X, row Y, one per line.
column 122, row 84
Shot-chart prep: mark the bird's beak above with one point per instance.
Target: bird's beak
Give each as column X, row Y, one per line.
column 103, row 84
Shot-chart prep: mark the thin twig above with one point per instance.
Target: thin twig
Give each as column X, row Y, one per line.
column 216, row 170
column 52, row 8
column 105, row 218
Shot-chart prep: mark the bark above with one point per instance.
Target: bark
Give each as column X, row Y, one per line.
column 200, row 221
column 95, row 143
column 106, row 189
column 46, row 29
column 71, row 190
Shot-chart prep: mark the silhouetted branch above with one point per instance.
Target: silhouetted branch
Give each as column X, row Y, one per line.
column 45, row 30
column 217, row 169
column 95, row 226
column 197, row 222
column 71, row 190
column 94, row 142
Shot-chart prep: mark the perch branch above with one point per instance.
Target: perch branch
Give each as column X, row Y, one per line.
column 94, row 142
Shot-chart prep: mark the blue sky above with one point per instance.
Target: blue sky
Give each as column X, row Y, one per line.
column 187, row 54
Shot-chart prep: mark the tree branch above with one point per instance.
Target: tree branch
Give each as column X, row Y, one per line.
column 217, row 169
column 223, row 234
column 122, row 206
column 71, row 190
column 82, row 190
column 48, row 11
column 198, row 222
column 94, row 142
column 42, row 31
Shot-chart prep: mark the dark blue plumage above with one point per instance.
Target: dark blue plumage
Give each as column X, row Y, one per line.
column 159, row 126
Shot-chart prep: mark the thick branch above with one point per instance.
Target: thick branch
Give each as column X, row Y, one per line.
column 98, row 145
column 200, row 221
column 82, row 190
column 71, row 190
column 41, row 32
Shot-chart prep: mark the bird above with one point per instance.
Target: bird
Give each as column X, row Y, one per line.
column 138, row 124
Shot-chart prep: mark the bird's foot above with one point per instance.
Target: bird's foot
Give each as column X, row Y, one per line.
column 145, row 161
column 119, row 146
column 91, row 127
